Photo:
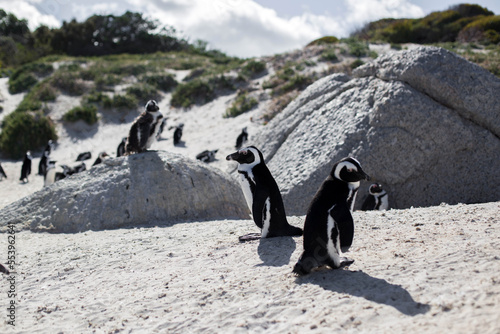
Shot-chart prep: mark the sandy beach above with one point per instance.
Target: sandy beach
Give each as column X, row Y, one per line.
column 420, row 270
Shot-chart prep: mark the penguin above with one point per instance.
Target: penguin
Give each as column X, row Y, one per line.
column 50, row 174
column 207, row 156
column 4, row 270
column 144, row 129
column 242, row 138
column 80, row 168
column 377, row 198
column 329, row 227
column 2, row 172
column 26, row 167
column 100, row 158
column 84, row 156
column 120, row 151
column 42, row 166
column 178, row 133
column 262, row 195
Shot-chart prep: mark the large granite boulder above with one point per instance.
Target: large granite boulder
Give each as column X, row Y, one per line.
column 142, row 189
column 425, row 123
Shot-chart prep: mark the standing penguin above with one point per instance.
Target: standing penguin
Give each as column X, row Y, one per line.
column 26, row 168
column 42, row 166
column 262, row 195
column 50, row 174
column 242, row 138
column 329, row 227
column 377, row 198
column 144, row 129
column 121, row 147
column 2, row 173
column 178, row 133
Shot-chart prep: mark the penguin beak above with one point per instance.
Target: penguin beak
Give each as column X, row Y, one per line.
column 364, row 176
column 234, row 156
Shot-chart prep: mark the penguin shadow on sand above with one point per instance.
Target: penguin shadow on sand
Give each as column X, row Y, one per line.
column 276, row 251
column 360, row 284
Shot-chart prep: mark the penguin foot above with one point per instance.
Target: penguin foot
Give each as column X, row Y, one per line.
column 249, row 237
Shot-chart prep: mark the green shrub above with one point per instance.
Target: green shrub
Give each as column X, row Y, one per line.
column 195, row 91
column 242, row 104
column 22, row 131
column 253, row 67
column 143, row 93
column 164, row 82
column 324, row 40
column 105, row 81
column 329, row 55
column 45, row 92
column 356, row 63
column 68, row 82
column 87, row 113
column 356, row 47
column 221, row 82
column 21, row 82
column 99, row 97
column 124, row 101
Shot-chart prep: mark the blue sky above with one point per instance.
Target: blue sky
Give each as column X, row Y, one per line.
column 244, row 28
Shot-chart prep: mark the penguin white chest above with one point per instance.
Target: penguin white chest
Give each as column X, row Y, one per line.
column 247, row 181
column 333, row 244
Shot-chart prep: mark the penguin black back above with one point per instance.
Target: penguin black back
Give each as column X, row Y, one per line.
column 329, row 227
column 26, row 167
column 262, row 194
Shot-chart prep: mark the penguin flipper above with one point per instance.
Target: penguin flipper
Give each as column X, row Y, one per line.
column 249, row 237
column 345, row 224
column 259, row 201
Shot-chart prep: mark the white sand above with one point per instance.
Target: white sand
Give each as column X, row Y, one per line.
column 432, row 270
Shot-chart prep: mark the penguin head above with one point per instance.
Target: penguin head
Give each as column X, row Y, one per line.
column 349, row 170
column 247, row 156
column 375, row 189
column 152, row 106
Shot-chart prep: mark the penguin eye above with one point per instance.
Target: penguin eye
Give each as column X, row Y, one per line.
column 244, row 152
column 350, row 170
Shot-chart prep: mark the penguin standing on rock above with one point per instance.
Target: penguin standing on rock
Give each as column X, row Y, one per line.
column 329, row 227
column 26, row 167
column 377, row 199
column 144, row 129
column 120, row 151
column 262, row 196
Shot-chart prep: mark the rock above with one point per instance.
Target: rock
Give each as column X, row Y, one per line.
column 141, row 189
column 423, row 123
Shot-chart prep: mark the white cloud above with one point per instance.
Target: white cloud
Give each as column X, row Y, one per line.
column 28, row 11
column 238, row 27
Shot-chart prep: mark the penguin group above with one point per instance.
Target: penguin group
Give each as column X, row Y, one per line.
column 328, row 230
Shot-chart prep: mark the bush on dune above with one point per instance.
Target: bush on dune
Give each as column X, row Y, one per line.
column 22, row 131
